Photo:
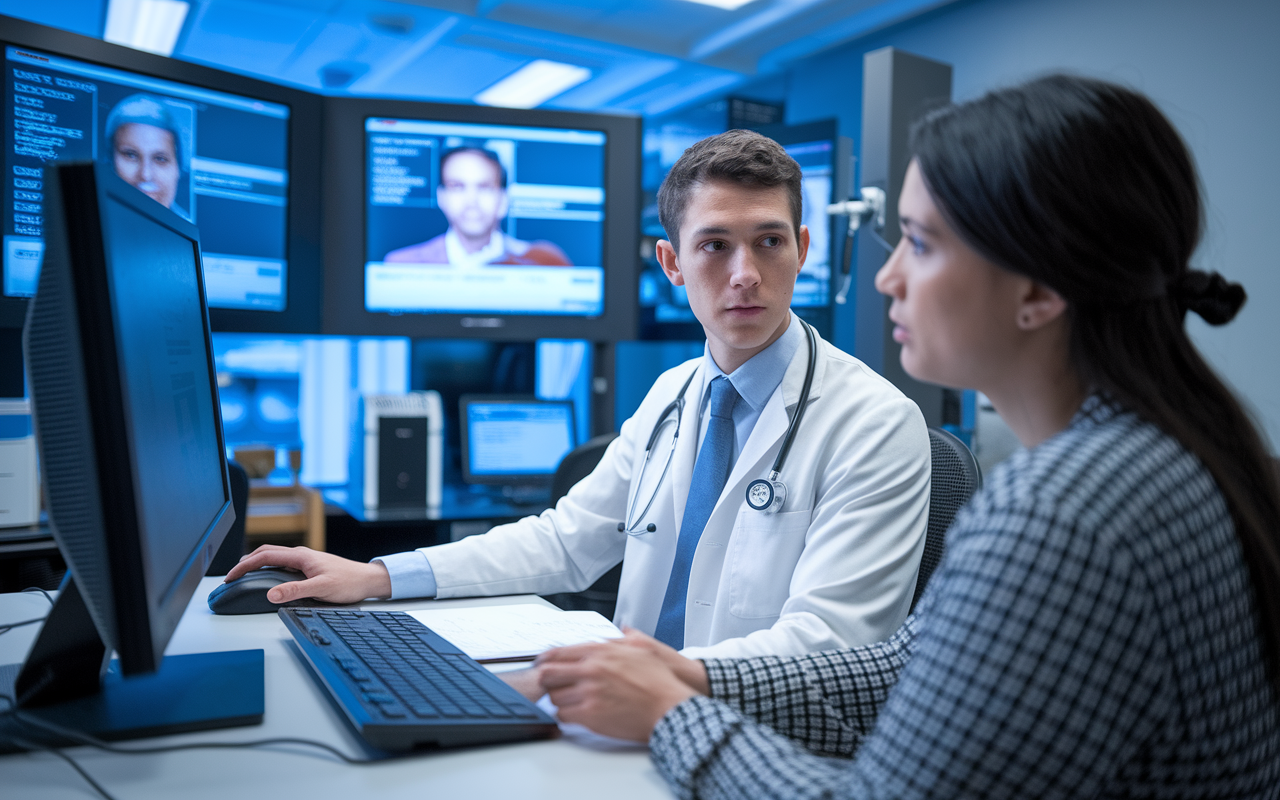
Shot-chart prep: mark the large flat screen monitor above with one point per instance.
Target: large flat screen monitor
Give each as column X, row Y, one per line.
column 125, row 403
column 475, row 221
column 826, row 173
column 217, row 149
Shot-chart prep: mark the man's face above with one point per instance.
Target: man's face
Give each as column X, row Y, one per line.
column 739, row 257
column 471, row 195
column 145, row 156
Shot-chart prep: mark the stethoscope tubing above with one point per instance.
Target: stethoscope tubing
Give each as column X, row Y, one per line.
column 677, row 405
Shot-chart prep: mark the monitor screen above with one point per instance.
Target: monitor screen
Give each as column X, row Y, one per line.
column 825, row 173
column 218, row 160
column 478, row 218
column 813, row 286
column 168, row 392
column 512, row 440
column 125, row 401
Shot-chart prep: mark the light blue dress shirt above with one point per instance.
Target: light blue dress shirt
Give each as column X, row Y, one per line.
column 755, row 381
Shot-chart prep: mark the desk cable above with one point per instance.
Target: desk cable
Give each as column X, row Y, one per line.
column 91, row 741
column 8, row 626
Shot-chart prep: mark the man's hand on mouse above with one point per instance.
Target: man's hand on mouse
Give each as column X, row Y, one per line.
column 329, row 577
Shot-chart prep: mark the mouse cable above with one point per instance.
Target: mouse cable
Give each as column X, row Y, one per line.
column 91, row 741
column 8, row 626
column 30, row 589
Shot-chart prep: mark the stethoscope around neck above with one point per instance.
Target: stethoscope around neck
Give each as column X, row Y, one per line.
column 766, row 495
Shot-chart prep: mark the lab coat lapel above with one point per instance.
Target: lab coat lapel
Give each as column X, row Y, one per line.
column 686, row 450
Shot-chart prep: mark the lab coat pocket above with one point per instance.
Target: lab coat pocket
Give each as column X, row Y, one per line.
column 763, row 554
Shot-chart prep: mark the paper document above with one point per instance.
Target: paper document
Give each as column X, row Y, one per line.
column 515, row 632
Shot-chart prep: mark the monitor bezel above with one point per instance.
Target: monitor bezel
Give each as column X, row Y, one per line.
column 345, row 227
column 303, row 291
column 512, row 479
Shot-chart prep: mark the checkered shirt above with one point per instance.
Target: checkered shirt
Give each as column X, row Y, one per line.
column 1090, row 632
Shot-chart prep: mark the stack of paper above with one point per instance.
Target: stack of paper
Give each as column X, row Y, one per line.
column 515, row 632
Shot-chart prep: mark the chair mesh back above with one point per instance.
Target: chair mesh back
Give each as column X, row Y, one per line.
column 956, row 477
column 577, row 464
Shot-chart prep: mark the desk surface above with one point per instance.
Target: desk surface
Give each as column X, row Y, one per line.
column 296, row 706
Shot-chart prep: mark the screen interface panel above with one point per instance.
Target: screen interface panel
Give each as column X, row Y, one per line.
column 813, row 286
column 217, row 159
column 472, row 218
column 517, row 438
column 670, row 303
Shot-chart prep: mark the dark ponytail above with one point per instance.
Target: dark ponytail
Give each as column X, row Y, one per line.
column 1084, row 186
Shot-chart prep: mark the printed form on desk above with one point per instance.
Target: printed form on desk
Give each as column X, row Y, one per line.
column 515, row 632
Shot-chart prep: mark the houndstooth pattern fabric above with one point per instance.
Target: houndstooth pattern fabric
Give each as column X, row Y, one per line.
column 1090, row 632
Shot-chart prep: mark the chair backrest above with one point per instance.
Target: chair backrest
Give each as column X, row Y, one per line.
column 577, row 464
column 956, row 476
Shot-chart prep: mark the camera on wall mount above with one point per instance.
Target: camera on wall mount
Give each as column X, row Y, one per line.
column 870, row 208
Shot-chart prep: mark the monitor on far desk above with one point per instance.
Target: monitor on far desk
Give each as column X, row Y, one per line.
column 515, row 442
column 125, row 404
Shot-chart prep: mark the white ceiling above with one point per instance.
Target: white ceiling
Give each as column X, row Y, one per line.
column 645, row 56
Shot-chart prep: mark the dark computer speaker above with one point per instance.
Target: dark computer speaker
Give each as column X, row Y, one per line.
column 402, row 449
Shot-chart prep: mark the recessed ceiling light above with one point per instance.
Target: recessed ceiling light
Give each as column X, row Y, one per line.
column 533, row 84
column 151, row 25
column 728, row 5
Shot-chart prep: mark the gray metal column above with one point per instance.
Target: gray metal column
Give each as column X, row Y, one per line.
column 897, row 89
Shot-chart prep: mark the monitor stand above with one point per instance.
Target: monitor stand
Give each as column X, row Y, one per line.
column 66, row 682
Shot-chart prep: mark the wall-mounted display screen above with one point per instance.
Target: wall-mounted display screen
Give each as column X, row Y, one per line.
column 468, row 218
column 219, row 160
column 825, row 175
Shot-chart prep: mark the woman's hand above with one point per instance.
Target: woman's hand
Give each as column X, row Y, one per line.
column 621, row 688
column 329, row 577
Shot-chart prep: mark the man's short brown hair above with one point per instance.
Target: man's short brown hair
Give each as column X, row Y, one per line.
column 743, row 157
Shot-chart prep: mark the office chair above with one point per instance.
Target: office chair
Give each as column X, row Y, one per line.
column 956, row 476
column 233, row 546
column 601, row 596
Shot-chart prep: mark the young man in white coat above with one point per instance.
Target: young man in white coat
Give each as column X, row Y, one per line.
column 834, row 567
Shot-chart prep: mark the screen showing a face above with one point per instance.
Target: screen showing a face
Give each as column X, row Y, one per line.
column 216, row 159
column 470, row 218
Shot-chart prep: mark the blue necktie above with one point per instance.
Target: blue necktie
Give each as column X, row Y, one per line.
column 710, row 472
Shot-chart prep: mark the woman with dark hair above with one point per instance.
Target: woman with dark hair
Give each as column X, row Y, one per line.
column 1106, row 620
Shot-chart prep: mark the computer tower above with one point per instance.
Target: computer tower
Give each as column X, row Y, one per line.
column 402, row 441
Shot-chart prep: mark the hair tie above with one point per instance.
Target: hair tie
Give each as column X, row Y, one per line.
column 1210, row 295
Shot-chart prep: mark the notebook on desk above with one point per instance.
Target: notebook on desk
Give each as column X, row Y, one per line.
column 402, row 686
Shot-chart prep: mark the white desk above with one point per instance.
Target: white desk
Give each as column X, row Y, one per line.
column 296, row 707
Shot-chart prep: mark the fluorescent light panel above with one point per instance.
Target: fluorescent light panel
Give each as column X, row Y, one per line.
column 533, row 84
column 151, row 25
column 727, row 5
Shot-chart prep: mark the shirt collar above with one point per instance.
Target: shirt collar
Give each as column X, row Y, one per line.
column 459, row 257
column 756, row 380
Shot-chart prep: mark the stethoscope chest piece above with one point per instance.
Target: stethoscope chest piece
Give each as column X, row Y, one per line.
column 766, row 496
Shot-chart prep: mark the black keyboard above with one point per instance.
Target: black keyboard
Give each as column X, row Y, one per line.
column 401, row 685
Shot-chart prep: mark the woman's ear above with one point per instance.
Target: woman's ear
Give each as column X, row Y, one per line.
column 1039, row 306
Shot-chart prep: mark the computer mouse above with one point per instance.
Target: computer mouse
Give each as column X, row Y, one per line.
column 248, row 593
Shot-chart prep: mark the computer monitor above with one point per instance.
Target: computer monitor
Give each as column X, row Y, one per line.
column 514, row 441
column 220, row 150
column 826, row 175
column 125, row 404
column 470, row 221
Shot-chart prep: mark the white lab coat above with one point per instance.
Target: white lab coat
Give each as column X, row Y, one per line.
column 836, row 567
